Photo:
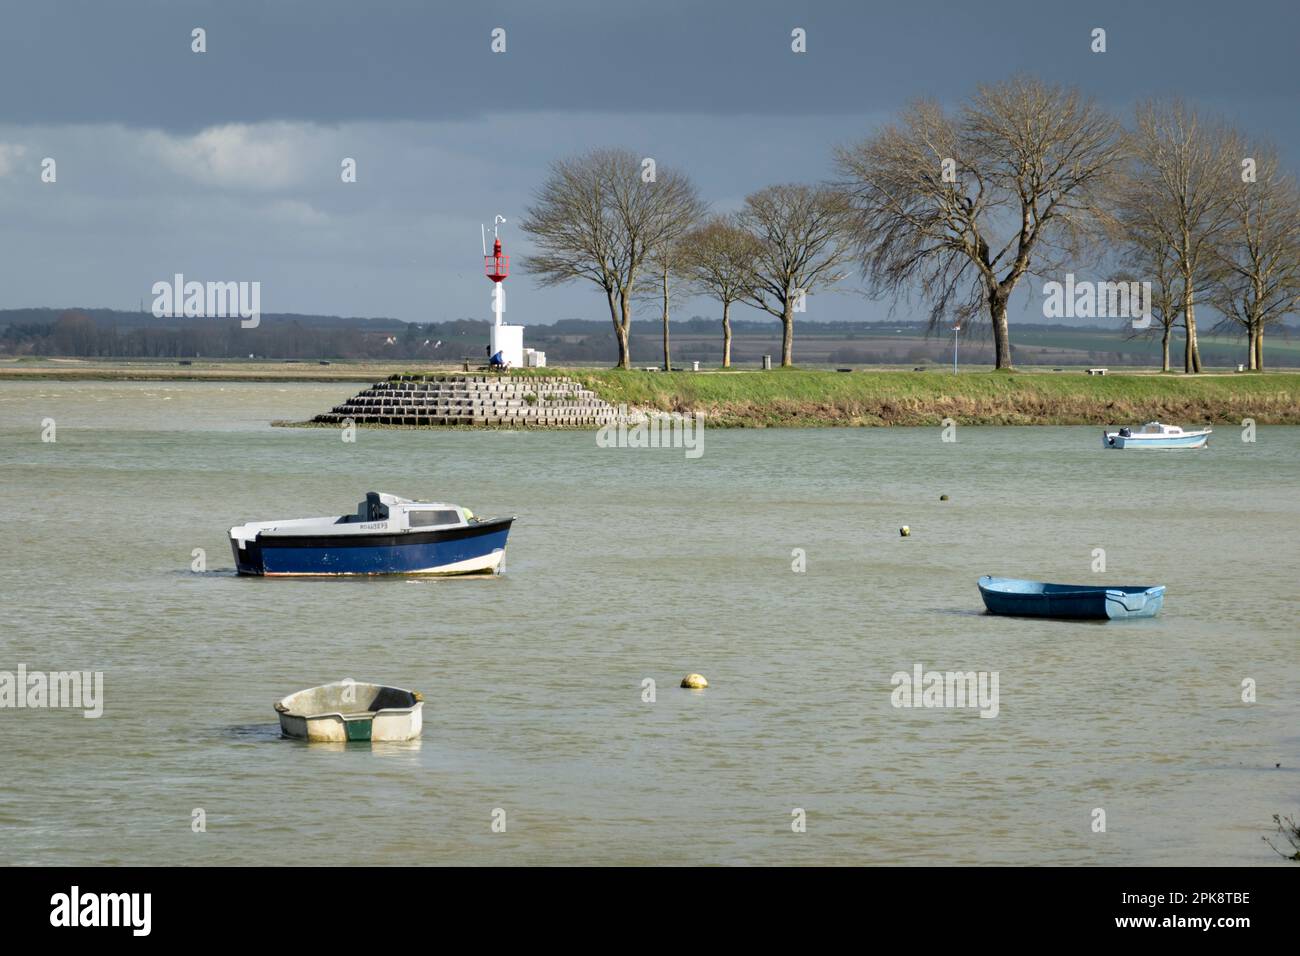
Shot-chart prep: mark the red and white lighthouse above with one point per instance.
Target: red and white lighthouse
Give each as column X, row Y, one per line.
column 507, row 341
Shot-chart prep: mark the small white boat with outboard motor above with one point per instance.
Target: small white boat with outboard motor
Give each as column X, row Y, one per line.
column 387, row 535
column 1156, row 435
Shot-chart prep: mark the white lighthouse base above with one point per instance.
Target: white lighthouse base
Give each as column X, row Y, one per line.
column 509, row 341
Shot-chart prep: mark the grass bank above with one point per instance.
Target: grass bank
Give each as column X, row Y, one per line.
column 795, row 397
column 809, row 397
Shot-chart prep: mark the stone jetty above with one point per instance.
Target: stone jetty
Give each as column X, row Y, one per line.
column 474, row 400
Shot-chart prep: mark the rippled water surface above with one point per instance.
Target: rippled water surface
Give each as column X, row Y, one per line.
column 633, row 564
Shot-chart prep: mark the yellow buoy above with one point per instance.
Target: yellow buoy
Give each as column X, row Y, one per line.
column 905, row 531
column 695, row 681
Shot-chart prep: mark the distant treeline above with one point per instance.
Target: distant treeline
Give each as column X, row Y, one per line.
column 108, row 333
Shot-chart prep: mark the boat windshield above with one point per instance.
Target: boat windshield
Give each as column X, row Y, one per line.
column 431, row 518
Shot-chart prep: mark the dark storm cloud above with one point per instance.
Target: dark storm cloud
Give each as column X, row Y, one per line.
column 331, row 61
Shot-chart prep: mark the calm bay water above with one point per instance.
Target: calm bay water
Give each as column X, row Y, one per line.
column 634, row 564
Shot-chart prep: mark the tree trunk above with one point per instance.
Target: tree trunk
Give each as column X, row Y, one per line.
column 1001, row 334
column 619, row 335
column 624, row 328
column 726, row 334
column 1259, row 349
column 1191, row 352
column 667, row 358
column 1164, row 350
column 787, row 334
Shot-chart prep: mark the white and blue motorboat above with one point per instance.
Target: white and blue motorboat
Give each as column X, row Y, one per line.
column 1156, row 435
column 387, row 535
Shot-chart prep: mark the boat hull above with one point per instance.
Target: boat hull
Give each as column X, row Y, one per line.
column 341, row 728
column 1020, row 598
column 350, row 711
column 1118, row 441
column 474, row 549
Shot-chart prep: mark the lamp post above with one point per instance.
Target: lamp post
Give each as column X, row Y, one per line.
column 955, row 329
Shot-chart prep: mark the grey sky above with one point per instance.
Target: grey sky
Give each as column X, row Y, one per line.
column 225, row 165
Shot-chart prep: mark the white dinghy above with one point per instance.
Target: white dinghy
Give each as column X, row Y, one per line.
column 349, row 710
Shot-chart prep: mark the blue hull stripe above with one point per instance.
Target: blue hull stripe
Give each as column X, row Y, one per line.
column 1165, row 442
column 398, row 559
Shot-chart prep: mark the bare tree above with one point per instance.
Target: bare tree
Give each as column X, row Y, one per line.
column 1186, row 170
column 965, row 206
column 668, row 275
column 798, row 233
column 597, row 218
column 1137, row 227
column 1255, row 278
column 721, row 257
column 1166, row 298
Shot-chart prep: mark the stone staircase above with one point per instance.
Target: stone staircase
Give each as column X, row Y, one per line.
column 477, row 400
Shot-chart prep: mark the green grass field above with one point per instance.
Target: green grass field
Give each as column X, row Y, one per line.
column 796, row 397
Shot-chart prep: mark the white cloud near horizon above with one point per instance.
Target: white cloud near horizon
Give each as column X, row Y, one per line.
column 265, row 202
column 258, row 156
column 10, row 156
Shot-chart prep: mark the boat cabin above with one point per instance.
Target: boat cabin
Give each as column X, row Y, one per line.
column 403, row 514
column 378, row 513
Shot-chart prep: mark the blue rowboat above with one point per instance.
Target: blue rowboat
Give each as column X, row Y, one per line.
column 1156, row 435
column 387, row 535
column 1072, row 601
